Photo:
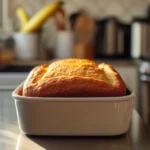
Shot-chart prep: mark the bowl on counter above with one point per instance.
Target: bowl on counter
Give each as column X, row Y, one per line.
column 70, row 116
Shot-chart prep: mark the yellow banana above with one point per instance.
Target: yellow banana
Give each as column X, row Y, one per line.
column 22, row 15
column 35, row 23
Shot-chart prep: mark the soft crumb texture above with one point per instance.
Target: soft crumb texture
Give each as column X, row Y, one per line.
column 74, row 78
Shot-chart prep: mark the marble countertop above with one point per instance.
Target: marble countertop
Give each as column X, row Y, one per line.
column 137, row 138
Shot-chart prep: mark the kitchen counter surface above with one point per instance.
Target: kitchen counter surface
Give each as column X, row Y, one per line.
column 26, row 66
column 137, row 138
column 38, row 62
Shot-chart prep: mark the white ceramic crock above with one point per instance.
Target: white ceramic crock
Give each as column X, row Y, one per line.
column 96, row 116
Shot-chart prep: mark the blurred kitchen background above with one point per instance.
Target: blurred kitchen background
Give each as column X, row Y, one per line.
column 110, row 29
column 116, row 32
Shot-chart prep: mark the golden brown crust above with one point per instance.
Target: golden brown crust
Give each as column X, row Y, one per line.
column 74, row 78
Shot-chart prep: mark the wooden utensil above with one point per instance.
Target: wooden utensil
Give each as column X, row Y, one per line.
column 60, row 19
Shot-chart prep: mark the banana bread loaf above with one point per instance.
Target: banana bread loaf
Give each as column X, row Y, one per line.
column 74, row 78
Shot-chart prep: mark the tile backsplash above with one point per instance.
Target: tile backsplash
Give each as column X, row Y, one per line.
column 125, row 10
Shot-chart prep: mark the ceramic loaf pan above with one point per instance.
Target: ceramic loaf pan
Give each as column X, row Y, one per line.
column 92, row 116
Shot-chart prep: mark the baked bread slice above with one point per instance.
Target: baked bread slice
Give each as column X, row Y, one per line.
column 74, row 78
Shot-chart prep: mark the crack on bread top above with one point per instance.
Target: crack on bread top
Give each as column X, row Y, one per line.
column 72, row 68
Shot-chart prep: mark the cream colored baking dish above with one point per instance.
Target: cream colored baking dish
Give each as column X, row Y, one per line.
column 94, row 116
